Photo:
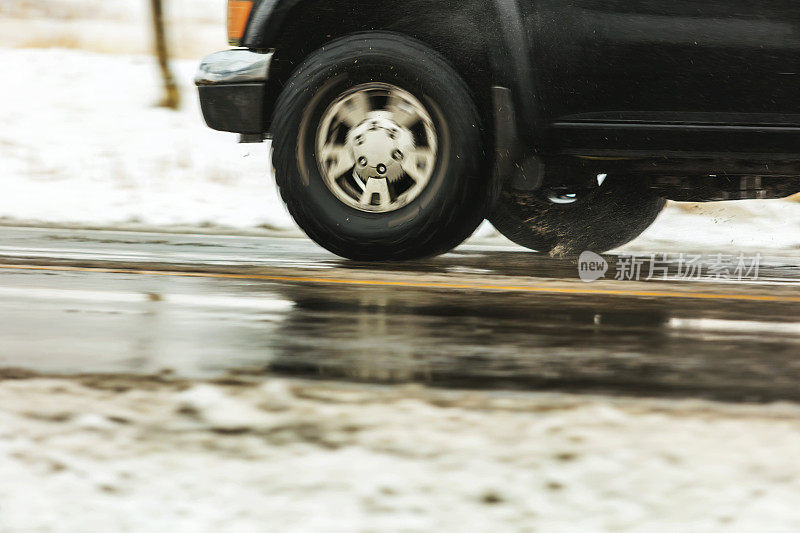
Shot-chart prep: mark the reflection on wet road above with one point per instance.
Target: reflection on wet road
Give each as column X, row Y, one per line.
column 482, row 317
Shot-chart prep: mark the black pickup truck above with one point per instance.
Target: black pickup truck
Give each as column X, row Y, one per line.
column 398, row 126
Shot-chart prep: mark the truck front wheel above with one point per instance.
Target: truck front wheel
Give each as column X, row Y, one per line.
column 378, row 150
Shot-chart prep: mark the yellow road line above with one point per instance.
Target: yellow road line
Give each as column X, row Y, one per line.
column 422, row 285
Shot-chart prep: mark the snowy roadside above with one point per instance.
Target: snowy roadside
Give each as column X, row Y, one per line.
column 85, row 147
column 195, row 27
column 77, row 455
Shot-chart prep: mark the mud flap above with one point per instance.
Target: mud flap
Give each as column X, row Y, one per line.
column 512, row 169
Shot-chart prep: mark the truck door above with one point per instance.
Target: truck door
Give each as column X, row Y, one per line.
column 701, row 62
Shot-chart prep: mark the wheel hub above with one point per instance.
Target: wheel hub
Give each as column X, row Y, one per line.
column 376, row 147
column 379, row 146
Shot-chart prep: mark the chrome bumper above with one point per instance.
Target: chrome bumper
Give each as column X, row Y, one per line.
column 233, row 66
column 232, row 86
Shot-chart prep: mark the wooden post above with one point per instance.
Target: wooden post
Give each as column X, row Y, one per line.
column 172, row 97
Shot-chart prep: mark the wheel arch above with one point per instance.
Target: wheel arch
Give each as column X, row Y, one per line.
column 484, row 41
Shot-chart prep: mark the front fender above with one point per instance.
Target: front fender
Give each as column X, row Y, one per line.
column 510, row 58
column 266, row 20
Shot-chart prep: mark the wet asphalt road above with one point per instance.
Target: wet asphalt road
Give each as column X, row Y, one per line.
column 489, row 317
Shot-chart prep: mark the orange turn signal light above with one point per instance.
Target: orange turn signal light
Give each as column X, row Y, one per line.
column 238, row 14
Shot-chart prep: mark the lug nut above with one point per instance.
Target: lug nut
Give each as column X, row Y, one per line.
column 362, row 161
column 397, row 155
column 381, row 169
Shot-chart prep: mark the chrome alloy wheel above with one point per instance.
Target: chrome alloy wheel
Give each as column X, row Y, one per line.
column 376, row 147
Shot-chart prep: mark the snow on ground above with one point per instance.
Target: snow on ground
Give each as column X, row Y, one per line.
column 85, row 146
column 768, row 226
column 298, row 456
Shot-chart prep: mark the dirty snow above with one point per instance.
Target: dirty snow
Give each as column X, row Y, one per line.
column 299, row 456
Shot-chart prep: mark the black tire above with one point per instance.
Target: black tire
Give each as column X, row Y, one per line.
column 603, row 219
column 459, row 194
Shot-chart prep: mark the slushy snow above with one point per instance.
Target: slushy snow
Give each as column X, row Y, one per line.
column 315, row 456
